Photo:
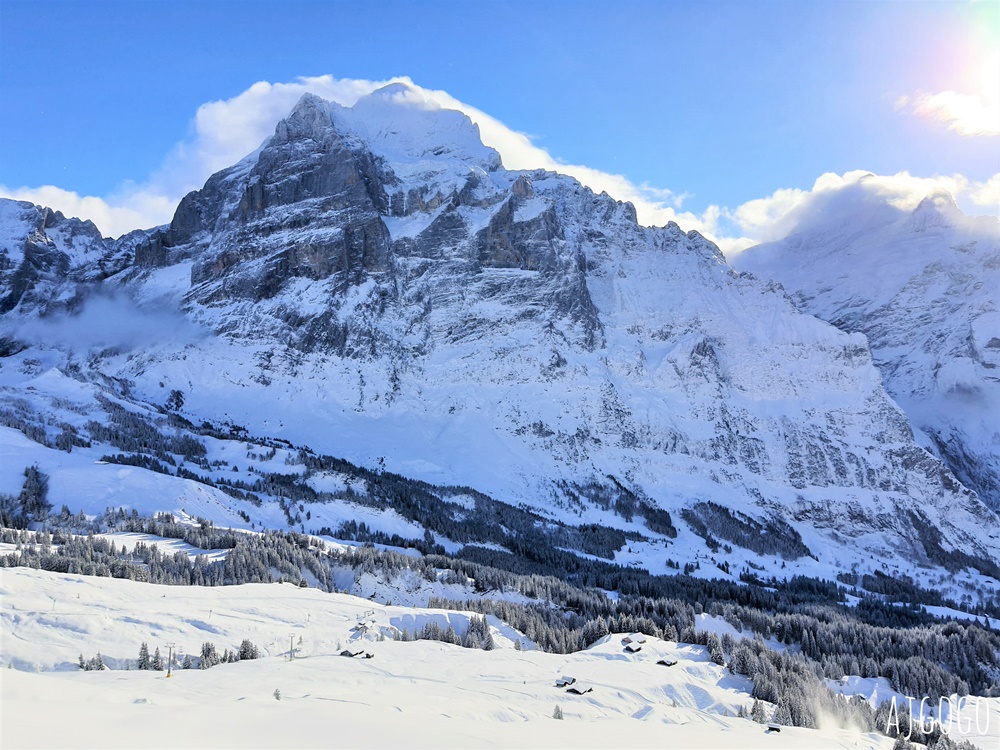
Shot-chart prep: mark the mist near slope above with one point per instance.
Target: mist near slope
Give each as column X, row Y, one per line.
column 108, row 322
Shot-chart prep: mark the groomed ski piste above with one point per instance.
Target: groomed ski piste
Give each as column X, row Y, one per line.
column 409, row 694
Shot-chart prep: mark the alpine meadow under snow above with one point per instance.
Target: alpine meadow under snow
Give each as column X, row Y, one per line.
column 370, row 361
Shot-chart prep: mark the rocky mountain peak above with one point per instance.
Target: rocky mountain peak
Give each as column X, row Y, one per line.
column 312, row 117
column 937, row 209
column 402, row 124
column 40, row 249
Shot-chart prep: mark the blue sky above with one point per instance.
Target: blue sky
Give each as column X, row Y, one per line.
column 701, row 104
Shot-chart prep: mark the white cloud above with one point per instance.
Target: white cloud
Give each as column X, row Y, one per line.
column 966, row 114
column 131, row 209
column 987, row 194
column 225, row 131
column 854, row 195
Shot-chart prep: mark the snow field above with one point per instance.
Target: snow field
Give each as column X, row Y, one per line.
column 411, row 694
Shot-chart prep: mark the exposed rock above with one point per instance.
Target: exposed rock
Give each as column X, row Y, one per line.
column 40, row 251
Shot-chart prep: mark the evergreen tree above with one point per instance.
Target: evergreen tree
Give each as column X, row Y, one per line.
column 34, row 493
column 715, row 652
column 157, row 661
column 478, row 634
column 783, row 714
column 144, row 661
column 209, row 656
column 175, row 401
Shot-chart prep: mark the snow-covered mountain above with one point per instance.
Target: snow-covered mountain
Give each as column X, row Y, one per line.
column 372, row 283
column 924, row 287
column 42, row 253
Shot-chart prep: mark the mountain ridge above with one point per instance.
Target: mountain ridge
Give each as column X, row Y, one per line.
column 921, row 286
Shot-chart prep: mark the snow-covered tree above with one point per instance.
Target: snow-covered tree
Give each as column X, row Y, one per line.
column 783, row 714
column 209, row 656
column 175, row 401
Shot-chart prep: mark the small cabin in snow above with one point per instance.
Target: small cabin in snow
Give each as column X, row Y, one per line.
column 666, row 663
column 351, row 654
column 579, row 689
column 565, row 681
column 633, row 648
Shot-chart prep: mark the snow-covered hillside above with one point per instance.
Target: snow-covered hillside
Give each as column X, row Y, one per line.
column 924, row 287
column 372, row 284
column 411, row 694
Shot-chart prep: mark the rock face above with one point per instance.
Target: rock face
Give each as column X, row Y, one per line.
column 41, row 252
column 924, row 288
column 379, row 287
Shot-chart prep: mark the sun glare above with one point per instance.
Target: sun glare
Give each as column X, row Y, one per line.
column 972, row 111
column 989, row 78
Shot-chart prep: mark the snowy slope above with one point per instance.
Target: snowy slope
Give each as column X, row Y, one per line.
column 924, row 288
column 412, row 694
column 373, row 284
